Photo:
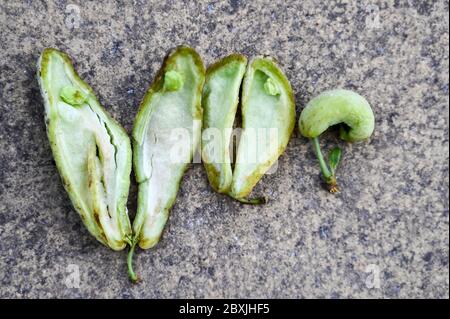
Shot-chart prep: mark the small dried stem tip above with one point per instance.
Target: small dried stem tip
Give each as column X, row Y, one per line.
column 332, row 185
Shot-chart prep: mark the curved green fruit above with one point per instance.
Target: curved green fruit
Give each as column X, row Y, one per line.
column 91, row 150
column 268, row 119
column 220, row 100
column 165, row 136
column 331, row 108
column 338, row 106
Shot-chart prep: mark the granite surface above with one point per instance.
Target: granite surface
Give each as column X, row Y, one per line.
column 386, row 235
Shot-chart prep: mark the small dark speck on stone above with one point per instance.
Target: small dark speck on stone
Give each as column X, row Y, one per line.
column 444, row 260
column 393, row 251
column 211, row 27
column 388, row 275
column 89, row 74
column 116, row 48
column 380, row 50
column 113, row 53
column 324, row 232
column 317, row 282
column 423, row 7
column 273, row 16
column 182, row 280
column 130, row 91
column 427, row 257
column 314, row 79
column 363, row 237
column 234, row 5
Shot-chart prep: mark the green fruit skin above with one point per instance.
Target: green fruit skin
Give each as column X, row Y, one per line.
column 71, row 152
column 262, row 110
column 157, row 196
column 220, row 101
column 338, row 106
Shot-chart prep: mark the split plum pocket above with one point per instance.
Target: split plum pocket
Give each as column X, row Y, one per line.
column 91, row 150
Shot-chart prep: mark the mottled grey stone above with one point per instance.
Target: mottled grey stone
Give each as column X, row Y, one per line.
column 390, row 219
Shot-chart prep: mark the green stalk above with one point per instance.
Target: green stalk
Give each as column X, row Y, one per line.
column 131, row 272
column 328, row 176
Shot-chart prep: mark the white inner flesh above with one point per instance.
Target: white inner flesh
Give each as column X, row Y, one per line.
column 77, row 128
column 170, row 136
column 261, row 114
column 223, row 87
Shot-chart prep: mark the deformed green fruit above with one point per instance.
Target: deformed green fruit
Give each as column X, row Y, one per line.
column 333, row 107
column 268, row 119
column 91, row 150
column 165, row 136
column 220, row 101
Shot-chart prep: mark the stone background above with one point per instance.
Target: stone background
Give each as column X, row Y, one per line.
column 391, row 219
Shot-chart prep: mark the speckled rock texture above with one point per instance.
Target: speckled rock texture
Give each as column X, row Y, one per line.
column 386, row 235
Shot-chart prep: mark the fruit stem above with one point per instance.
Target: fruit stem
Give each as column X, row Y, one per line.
column 328, row 176
column 131, row 272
